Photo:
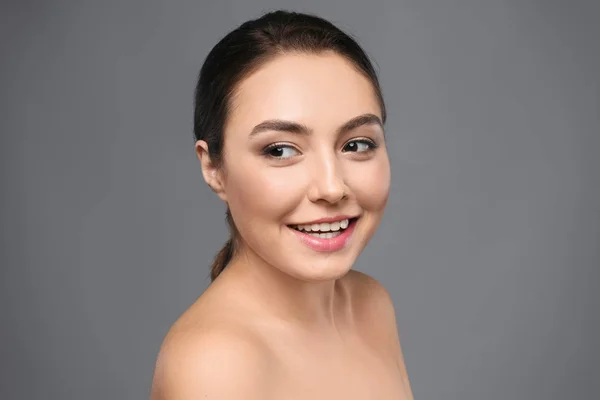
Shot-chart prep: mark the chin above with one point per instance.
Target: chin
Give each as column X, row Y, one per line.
column 320, row 271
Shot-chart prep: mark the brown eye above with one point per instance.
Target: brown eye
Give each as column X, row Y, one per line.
column 359, row 146
column 280, row 151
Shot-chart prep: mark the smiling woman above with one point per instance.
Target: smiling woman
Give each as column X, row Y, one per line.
column 289, row 132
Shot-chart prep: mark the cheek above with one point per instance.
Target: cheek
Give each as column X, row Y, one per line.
column 370, row 183
column 257, row 192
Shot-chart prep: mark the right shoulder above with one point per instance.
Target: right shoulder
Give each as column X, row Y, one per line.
column 216, row 363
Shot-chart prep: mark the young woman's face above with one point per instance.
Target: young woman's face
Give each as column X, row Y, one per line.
column 303, row 143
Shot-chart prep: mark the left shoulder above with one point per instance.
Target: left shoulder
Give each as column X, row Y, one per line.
column 374, row 309
column 370, row 296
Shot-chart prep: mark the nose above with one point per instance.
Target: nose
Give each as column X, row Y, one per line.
column 328, row 182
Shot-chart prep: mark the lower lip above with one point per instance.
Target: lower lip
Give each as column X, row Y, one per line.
column 327, row 245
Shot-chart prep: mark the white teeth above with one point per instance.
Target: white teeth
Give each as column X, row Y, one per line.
column 325, row 235
column 325, row 227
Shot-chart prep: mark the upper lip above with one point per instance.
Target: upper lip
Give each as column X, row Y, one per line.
column 327, row 220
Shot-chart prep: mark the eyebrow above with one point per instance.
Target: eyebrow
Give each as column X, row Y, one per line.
column 301, row 129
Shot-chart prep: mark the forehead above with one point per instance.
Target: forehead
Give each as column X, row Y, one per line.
column 321, row 91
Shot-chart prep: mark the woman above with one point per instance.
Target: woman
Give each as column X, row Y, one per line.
column 288, row 123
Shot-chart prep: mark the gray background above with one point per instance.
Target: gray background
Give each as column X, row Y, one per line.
column 491, row 242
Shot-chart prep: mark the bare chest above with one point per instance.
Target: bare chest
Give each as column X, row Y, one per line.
column 349, row 371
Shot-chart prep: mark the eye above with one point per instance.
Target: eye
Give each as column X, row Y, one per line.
column 359, row 146
column 280, row 151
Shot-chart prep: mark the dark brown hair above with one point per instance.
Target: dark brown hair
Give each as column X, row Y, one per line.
column 244, row 50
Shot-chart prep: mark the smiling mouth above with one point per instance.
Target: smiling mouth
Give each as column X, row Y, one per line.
column 325, row 230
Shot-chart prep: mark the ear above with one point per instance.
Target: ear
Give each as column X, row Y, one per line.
column 212, row 175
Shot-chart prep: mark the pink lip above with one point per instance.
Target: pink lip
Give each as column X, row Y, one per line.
column 327, row 245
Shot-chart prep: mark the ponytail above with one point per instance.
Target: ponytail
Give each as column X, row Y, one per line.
column 221, row 260
column 224, row 255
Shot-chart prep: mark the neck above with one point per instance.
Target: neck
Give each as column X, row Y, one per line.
column 313, row 305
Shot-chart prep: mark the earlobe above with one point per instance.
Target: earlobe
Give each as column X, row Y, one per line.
column 210, row 171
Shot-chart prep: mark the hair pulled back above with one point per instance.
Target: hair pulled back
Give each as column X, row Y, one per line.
column 244, row 50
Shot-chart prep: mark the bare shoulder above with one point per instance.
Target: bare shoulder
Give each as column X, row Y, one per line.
column 217, row 362
column 370, row 297
column 375, row 310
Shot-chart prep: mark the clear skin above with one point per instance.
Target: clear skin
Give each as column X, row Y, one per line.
column 278, row 295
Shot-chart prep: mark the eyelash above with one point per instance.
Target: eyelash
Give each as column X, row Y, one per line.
column 266, row 151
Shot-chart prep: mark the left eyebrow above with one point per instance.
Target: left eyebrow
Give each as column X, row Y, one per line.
column 361, row 120
column 301, row 129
